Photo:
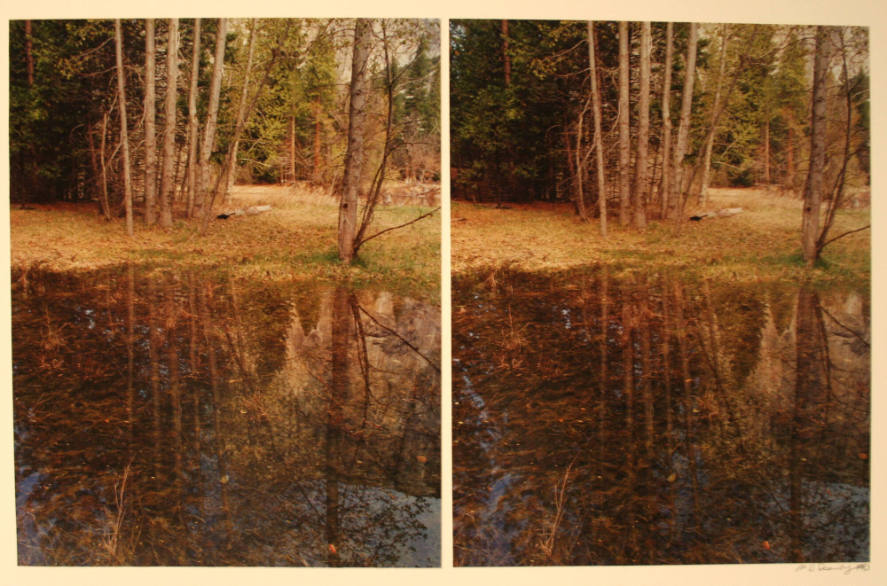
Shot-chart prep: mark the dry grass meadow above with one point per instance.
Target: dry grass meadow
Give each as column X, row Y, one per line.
column 296, row 239
column 761, row 243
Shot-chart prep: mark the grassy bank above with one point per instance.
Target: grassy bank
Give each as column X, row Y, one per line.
column 295, row 240
column 761, row 243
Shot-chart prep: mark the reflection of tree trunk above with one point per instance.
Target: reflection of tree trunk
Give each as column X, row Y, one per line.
column 628, row 324
column 194, row 362
column 176, row 399
column 647, row 381
column 669, row 423
column 686, row 398
column 210, row 335
column 130, row 350
column 810, row 406
column 154, row 360
column 338, row 401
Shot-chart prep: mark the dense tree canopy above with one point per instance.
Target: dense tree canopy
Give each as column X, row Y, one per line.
column 64, row 111
column 520, row 107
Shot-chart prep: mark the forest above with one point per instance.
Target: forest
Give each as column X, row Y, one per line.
column 160, row 119
column 639, row 120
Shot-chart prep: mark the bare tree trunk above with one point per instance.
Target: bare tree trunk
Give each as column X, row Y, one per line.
column 167, row 172
column 767, row 152
column 209, row 130
column 789, row 180
column 315, row 171
column 241, row 108
column 29, row 53
column 506, row 58
column 624, row 127
column 666, row 123
column 598, row 142
column 815, row 173
column 106, row 205
column 124, row 138
column 354, row 154
column 640, row 189
column 150, row 115
column 684, row 125
column 715, row 112
column 192, row 122
column 580, row 168
column 292, row 149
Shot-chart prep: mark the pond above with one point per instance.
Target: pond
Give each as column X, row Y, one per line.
column 177, row 418
column 602, row 417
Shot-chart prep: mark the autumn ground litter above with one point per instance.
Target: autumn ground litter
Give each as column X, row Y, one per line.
column 295, row 240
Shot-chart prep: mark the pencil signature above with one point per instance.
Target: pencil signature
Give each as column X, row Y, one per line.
column 843, row 568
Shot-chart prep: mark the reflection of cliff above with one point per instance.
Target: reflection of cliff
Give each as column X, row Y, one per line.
column 604, row 420
column 390, row 408
column 171, row 419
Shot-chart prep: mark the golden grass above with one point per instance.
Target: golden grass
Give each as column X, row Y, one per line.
column 762, row 242
column 295, row 240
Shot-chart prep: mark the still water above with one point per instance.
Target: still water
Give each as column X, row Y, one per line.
column 166, row 418
column 602, row 418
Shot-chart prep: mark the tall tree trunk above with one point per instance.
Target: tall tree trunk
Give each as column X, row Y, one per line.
column 640, row 189
column 598, row 141
column 354, row 155
column 124, row 138
column 241, row 108
column 292, row 165
column 506, row 57
column 684, row 124
column 209, row 129
column 666, row 123
column 315, row 171
column 29, row 53
column 106, row 205
column 150, row 133
column 192, row 122
column 767, row 152
column 624, row 127
column 715, row 113
column 789, row 180
column 167, row 171
column 580, row 168
column 815, row 173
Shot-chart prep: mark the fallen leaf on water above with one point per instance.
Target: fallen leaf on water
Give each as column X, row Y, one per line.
column 672, row 477
column 766, row 544
column 863, row 456
column 421, row 459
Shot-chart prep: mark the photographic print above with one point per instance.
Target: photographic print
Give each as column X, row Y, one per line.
column 226, row 320
column 661, row 293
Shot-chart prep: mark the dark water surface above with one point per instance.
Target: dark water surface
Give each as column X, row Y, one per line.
column 605, row 419
column 166, row 418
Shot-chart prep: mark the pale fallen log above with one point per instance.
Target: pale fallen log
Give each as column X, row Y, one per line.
column 250, row 211
column 724, row 213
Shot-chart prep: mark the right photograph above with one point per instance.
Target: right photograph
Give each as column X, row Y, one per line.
column 661, row 293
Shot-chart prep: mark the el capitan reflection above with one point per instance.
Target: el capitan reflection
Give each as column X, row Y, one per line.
column 611, row 419
column 174, row 419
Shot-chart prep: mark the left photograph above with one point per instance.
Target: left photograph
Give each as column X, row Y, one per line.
column 226, row 299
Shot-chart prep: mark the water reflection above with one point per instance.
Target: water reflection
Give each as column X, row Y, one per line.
column 641, row 420
column 171, row 419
